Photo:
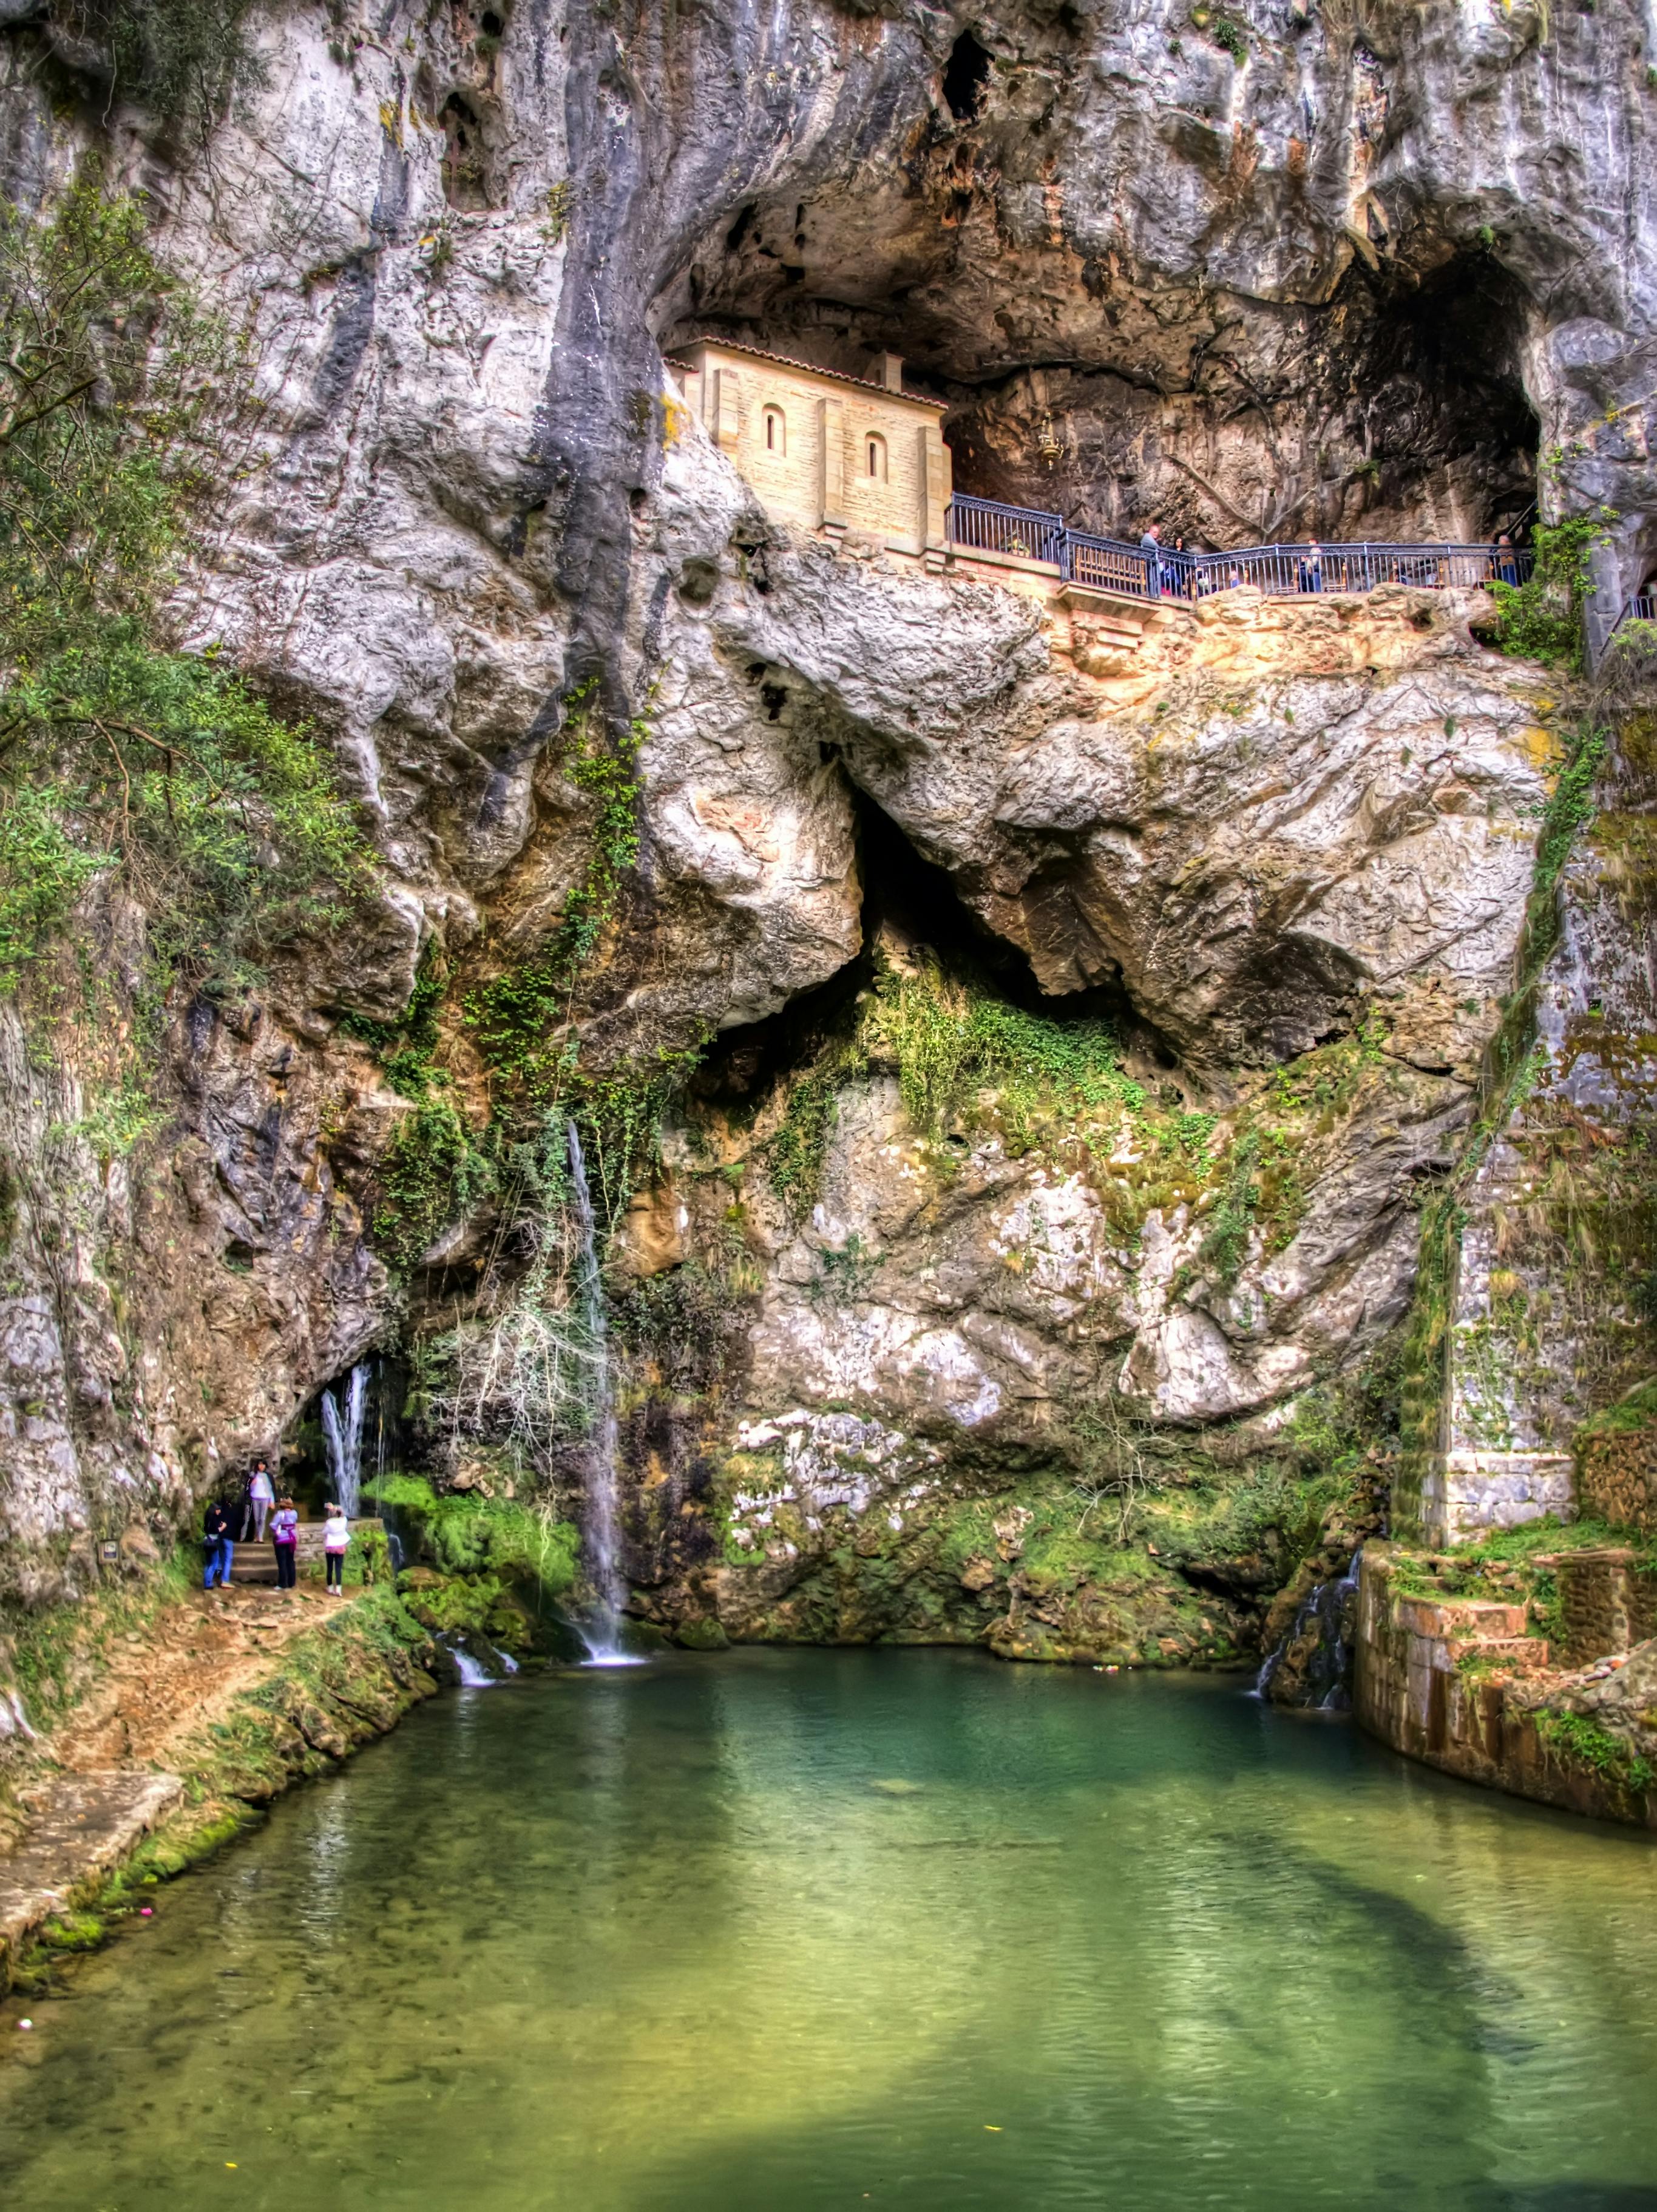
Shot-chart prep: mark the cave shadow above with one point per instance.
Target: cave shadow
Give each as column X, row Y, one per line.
column 1455, row 338
column 912, row 901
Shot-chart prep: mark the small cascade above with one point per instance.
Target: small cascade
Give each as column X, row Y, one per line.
column 1338, row 1699
column 1321, row 1645
column 1272, row 1660
column 343, row 1437
column 474, row 1675
column 601, row 1529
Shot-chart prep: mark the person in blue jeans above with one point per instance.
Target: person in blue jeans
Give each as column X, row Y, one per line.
column 220, row 1551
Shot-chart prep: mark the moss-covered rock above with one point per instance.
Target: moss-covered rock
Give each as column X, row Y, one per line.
column 702, row 1634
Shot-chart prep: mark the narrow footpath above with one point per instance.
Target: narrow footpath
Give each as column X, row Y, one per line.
column 219, row 1702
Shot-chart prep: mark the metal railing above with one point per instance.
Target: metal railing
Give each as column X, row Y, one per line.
column 1101, row 564
column 1108, row 564
column 1025, row 533
column 1638, row 609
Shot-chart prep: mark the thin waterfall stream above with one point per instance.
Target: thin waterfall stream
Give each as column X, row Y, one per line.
column 601, row 1521
column 344, row 1440
column 1328, row 1608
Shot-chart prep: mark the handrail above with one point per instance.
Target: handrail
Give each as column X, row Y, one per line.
column 1110, row 564
column 984, row 526
column 1641, row 608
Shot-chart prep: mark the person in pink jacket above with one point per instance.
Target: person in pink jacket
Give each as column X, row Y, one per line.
column 284, row 1535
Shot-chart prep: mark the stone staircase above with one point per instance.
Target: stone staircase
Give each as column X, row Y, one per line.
column 257, row 1563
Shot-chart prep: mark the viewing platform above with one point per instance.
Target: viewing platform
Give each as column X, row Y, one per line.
column 256, row 1562
column 1108, row 567
column 865, row 466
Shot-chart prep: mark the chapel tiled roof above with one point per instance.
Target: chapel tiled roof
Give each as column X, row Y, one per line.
column 809, row 368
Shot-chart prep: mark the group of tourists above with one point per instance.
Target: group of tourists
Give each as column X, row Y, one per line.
column 261, row 1506
column 1174, row 572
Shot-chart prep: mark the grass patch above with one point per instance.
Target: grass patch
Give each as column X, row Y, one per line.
column 464, row 1532
column 1575, row 1737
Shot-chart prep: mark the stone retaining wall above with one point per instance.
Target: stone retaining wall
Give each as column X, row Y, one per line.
column 1411, row 1690
column 1609, row 1599
column 1616, row 1476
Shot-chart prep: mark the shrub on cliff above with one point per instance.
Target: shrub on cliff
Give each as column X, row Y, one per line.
column 465, row 1533
column 181, row 59
column 1541, row 619
column 120, row 406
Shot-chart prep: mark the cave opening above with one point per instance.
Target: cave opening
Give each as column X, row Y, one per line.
column 304, row 1463
column 1446, row 416
column 1396, row 411
column 911, row 908
column 466, row 156
column 965, row 78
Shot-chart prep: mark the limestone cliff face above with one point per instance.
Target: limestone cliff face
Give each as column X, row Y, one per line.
column 461, row 248
column 1537, row 1305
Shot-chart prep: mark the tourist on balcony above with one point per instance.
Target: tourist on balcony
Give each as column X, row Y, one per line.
column 1504, row 561
column 1311, row 567
column 1150, row 546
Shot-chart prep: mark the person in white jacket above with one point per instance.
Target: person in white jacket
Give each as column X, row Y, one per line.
column 261, row 1496
column 336, row 1542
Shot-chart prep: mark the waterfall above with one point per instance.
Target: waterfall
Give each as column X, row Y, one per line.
column 1273, row 1660
column 1324, row 1671
column 1339, row 1699
column 601, row 1525
column 344, row 1440
column 474, row 1675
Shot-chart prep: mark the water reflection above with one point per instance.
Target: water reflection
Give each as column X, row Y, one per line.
column 778, row 1929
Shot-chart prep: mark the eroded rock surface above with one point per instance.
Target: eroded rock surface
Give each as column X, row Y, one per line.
column 475, row 493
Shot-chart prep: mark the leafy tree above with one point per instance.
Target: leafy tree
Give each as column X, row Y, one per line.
column 179, row 58
column 1541, row 619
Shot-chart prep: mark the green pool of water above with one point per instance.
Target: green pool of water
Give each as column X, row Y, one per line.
column 778, row 1931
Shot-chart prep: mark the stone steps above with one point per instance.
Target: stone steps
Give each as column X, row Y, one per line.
column 1529, row 1654
column 256, row 1563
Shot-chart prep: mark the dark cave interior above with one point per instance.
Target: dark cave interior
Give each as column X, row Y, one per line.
column 912, row 904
